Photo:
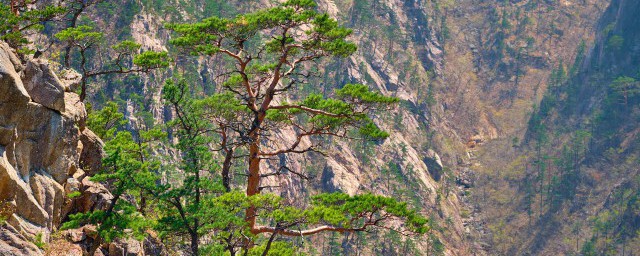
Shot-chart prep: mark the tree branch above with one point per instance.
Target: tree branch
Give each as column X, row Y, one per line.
column 312, row 231
column 310, row 110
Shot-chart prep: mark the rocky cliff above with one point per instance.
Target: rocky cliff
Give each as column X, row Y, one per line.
column 44, row 146
column 469, row 73
column 572, row 183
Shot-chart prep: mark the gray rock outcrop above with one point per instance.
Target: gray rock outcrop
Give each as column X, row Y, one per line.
column 92, row 152
column 40, row 149
column 43, row 85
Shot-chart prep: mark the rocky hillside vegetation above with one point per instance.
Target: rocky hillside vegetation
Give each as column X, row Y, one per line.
column 572, row 181
column 510, row 125
column 47, row 155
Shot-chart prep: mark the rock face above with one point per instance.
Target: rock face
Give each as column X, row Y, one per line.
column 71, row 79
column 94, row 197
column 128, row 247
column 434, row 164
column 92, row 152
column 43, row 85
column 40, row 130
column 13, row 243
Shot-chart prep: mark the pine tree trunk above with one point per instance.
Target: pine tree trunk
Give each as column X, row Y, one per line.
column 196, row 222
column 253, row 182
column 67, row 49
column 226, row 166
column 194, row 243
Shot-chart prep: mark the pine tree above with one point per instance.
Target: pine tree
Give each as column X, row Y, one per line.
column 259, row 85
column 195, row 197
column 626, row 87
column 87, row 41
column 130, row 173
column 17, row 17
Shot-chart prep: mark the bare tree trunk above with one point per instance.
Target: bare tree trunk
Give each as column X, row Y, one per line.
column 194, row 243
column 226, row 166
column 268, row 247
column 67, row 49
column 230, row 247
column 196, row 222
column 83, row 86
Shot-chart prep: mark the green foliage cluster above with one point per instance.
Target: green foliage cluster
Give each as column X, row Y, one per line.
column 625, row 87
column 621, row 95
column 106, row 121
column 84, row 36
column 38, row 241
column 189, row 196
column 17, row 19
column 343, row 109
column 558, row 75
column 129, row 170
column 86, row 41
column 74, row 194
column 615, row 42
column 204, row 37
column 610, row 228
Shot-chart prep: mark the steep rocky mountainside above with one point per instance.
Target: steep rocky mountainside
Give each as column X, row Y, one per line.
column 40, row 145
column 388, row 61
column 46, row 157
column 474, row 77
column 41, row 129
column 573, row 183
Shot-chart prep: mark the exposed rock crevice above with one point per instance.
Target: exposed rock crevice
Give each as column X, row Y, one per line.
column 40, row 131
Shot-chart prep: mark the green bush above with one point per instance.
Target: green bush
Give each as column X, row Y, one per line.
column 38, row 241
column 74, row 194
column 615, row 43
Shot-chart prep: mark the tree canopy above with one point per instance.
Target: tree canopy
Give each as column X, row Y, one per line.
column 87, row 41
column 626, row 87
column 268, row 55
column 16, row 18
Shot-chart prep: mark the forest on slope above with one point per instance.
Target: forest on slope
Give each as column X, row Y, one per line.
column 574, row 177
column 490, row 118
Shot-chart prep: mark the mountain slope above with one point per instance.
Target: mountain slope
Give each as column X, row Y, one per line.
column 491, row 93
column 573, row 179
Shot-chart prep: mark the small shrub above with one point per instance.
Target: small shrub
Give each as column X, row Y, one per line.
column 74, row 194
column 6, row 210
column 465, row 214
column 615, row 42
column 38, row 241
